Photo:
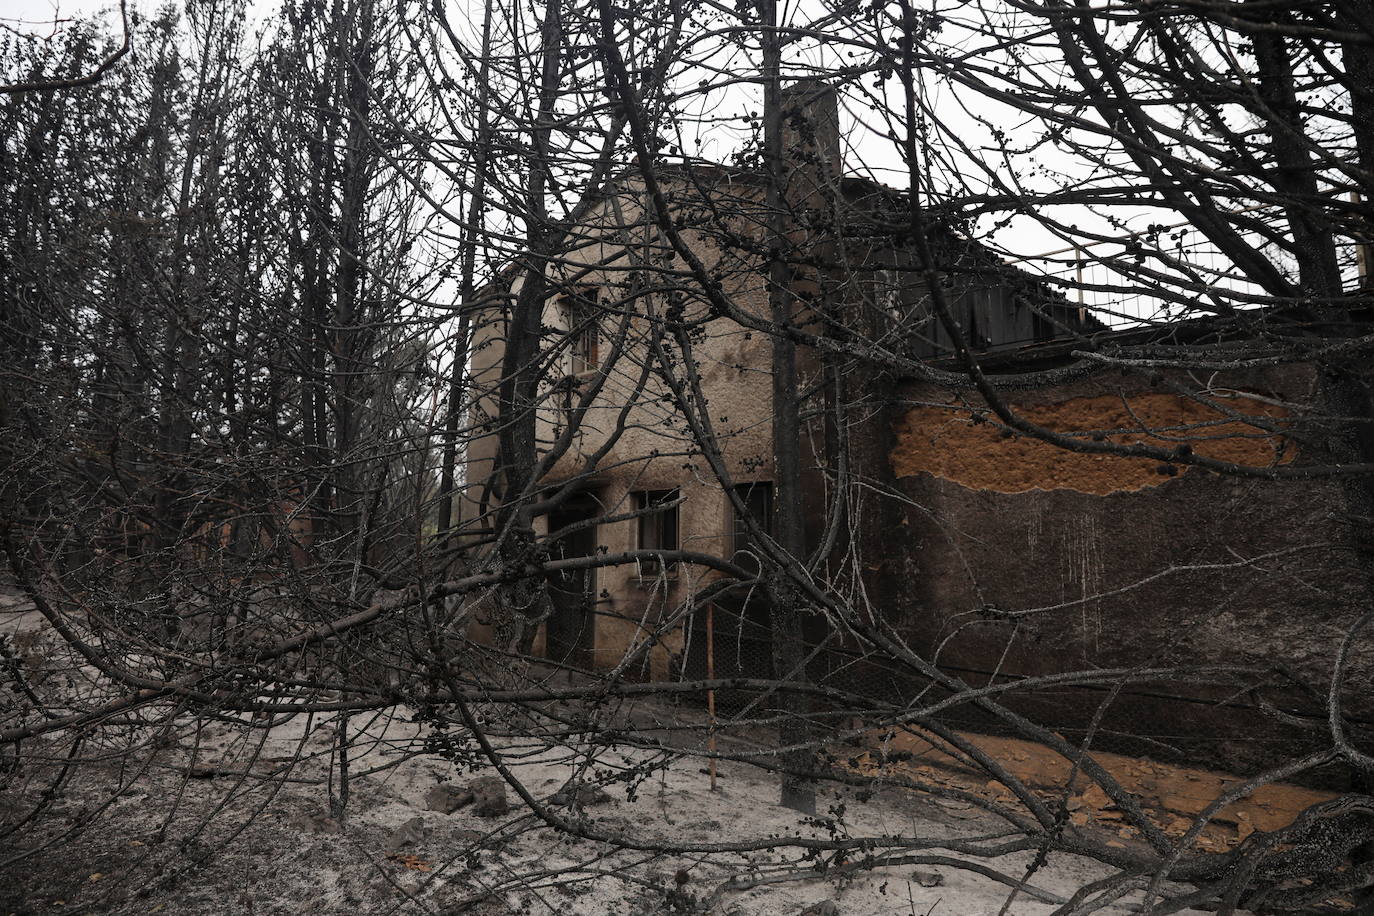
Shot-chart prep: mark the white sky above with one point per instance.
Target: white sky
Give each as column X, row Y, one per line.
column 43, row 16
column 873, row 154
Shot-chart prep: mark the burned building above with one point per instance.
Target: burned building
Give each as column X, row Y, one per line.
column 604, row 311
column 998, row 555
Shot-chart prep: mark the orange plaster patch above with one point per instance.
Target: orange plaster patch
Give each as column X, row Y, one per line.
column 948, row 443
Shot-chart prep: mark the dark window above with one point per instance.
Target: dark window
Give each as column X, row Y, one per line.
column 1041, row 326
column 579, row 310
column 758, row 501
column 887, row 286
column 973, row 304
column 658, row 524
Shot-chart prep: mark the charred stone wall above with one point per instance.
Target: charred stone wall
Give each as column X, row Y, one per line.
column 1019, row 559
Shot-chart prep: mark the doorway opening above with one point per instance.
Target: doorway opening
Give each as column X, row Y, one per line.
column 570, row 633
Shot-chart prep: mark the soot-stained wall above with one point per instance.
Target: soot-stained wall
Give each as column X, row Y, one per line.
column 1018, row 557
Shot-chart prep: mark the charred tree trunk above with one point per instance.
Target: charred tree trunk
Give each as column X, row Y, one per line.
column 526, row 600
column 471, row 233
column 788, row 642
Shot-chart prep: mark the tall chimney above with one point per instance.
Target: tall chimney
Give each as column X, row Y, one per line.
column 811, row 155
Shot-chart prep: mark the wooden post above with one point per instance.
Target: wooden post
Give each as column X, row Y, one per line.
column 1078, row 280
column 711, row 692
column 1361, row 248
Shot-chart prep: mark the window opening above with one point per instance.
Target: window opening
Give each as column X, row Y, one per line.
column 658, row 525
column 580, row 312
column 758, row 500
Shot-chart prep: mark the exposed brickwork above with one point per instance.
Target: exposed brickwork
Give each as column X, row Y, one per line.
column 952, row 444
